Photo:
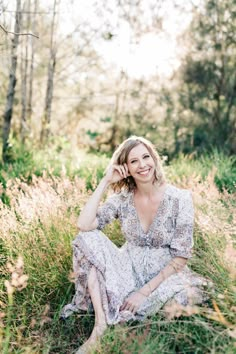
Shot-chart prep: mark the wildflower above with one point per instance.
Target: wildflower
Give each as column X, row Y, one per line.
column 18, row 279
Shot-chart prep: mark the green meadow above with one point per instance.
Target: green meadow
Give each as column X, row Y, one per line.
column 42, row 193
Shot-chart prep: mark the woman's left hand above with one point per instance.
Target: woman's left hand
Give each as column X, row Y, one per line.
column 133, row 302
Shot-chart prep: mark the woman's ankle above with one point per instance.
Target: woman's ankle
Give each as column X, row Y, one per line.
column 100, row 322
column 100, row 326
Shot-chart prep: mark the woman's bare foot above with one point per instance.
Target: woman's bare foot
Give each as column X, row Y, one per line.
column 93, row 340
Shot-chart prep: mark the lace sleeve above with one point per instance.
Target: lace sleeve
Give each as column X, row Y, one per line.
column 108, row 211
column 182, row 241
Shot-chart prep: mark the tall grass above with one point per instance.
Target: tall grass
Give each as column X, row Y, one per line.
column 223, row 168
column 38, row 212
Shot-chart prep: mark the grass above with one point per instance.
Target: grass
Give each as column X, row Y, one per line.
column 223, row 167
column 41, row 199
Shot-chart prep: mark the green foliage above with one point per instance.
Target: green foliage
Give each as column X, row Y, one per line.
column 92, row 169
column 92, row 135
column 159, row 335
column 223, row 167
column 56, row 158
column 20, row 165
column 208, row 82
column 106, row 119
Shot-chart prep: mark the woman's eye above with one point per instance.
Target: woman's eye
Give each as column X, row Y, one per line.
column 133, row 161
column 146, row 156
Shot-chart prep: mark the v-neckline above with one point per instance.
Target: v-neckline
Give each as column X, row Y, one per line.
column 156, row 213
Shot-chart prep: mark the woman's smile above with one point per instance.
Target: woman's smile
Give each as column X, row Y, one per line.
column 144, row 172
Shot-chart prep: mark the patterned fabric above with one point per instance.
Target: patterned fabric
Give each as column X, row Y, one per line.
column 124, row 270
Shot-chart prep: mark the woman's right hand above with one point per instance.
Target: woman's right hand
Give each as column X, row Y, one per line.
column 116, row 173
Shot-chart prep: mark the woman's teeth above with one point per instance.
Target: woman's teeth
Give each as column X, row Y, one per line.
column 144, row 172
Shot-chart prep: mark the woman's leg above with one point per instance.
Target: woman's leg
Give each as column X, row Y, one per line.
column 100, row 319
column 95, row 294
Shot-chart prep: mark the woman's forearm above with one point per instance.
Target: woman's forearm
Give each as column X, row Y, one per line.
column 87, row 219
column 174, row 266
column 114, row 173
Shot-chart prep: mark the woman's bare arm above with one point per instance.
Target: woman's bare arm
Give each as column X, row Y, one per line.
column 87, row 220
column 174, row 266
column 133, row 302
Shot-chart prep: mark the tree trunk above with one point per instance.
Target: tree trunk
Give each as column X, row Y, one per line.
column 7, row 116
column 114, row 130
column 31, row 73
column 24, row 128
column 45, row 129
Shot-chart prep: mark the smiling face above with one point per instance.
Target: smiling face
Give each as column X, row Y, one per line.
column 141, row 164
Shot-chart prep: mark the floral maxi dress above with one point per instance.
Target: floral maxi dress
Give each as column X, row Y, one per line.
column 122, row 271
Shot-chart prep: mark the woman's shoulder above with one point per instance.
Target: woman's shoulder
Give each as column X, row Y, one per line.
column 176, row 192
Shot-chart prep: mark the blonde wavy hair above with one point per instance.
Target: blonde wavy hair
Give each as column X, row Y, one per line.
column 120, row 157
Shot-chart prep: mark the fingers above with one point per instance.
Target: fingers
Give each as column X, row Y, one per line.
column 115, row 173
column 126, row 170
column 123, row 170
column 124, row 306
column 128, row 306
column 133, row 309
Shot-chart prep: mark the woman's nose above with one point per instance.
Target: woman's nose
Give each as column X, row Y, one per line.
column 141, row 163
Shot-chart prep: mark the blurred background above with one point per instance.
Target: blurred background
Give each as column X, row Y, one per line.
column 101, row 71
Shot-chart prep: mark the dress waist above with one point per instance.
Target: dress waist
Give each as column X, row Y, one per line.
column 147, row 245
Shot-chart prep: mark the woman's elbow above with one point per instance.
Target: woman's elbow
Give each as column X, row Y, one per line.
column 82, row 227
column 81, row 224
column 87, row 227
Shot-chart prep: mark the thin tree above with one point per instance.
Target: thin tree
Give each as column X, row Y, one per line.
column 7, row 116
column 45, row 129
column 31, row 71
column 24, row 79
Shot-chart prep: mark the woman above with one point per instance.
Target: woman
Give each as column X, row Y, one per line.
column 149, row 270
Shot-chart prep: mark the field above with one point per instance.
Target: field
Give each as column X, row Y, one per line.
column 41, row 197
